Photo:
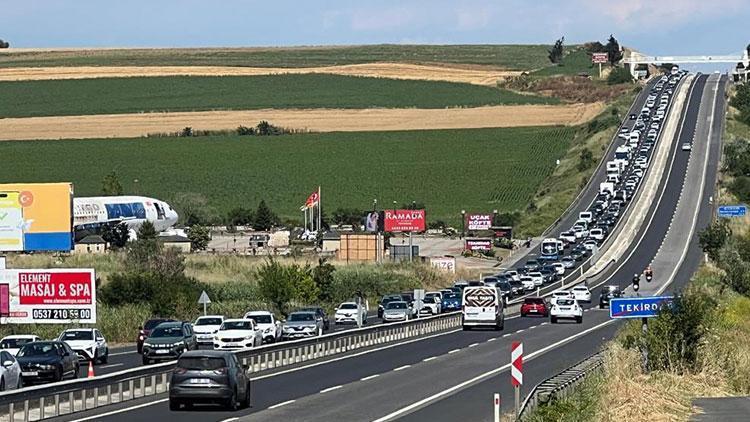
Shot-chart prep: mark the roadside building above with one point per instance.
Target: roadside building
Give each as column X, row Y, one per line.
column 92, row 244
column 174, row 241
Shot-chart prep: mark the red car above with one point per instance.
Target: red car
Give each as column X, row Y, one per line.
column 145, row 330
column 534, row 306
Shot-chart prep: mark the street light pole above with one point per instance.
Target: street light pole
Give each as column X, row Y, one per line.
column 463, row 223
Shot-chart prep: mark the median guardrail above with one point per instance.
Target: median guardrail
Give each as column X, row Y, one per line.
column 561, row 385
column 78, row 395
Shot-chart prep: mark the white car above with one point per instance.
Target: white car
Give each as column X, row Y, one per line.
column 580, row 232
column 568, row 262
column 10, row 372
column 581, row 294
column 12, row 344
column 528, row 283
column 566, row 308
column 597, row 234
column 537, row 277
column 686, row 146
column 431, row 306
column 206, row 326
column 559, row 268
column 236, row 334
column 560, row 294
column 88, row 343
column 267, row 324
column 591, row 244
column 568, row 236
column 346, row 313
column 513, row 274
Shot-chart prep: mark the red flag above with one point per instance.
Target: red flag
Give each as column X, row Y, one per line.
column 312, row 200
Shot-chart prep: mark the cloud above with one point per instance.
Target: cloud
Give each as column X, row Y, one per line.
column 388, row 18
column 659, row 14
column 468, row 19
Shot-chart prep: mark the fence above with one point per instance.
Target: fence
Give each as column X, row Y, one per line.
column 62, row 398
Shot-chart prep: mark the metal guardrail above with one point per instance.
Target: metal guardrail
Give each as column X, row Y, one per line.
column 67, row 397
column 561, row 385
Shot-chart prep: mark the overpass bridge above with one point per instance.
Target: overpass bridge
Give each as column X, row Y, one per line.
column 634, row 59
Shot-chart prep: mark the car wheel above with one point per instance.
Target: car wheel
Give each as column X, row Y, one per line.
column 246, row 401
column 553, row 320
column 2, row 384
column 59, row 374
column 95, row 359
column 174, row 405
column 467, row 328
column 523, row 314
column 19, row 384
column 105, row 358
column 579, row 320
column 601, row 306
column 146, row 361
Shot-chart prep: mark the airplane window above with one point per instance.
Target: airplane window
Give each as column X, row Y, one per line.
column 159, row 212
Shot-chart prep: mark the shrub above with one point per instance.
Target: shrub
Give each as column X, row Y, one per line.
column 740, row 187
column 619, row 75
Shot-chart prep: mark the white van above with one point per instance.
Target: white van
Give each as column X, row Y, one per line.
column 482, row 306
column 586, row 216
column 613, row 167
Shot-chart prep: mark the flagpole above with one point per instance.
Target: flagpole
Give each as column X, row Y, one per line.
column 305, row 213
column 320, row 205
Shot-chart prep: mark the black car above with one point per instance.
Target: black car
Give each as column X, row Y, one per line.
column 320, row 313
column 209, row 376
column 516, row 287
column 532, row 265
column 145, row 330
column 505, row 289
column 47, row 361
column 550, row 275
column 168, row 341
column 608, row 293
column 577, row 255
column 632, row 116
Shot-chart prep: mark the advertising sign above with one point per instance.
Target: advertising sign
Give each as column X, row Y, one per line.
column 732, row 210
column 50, row 296
column 404, row 220
column 444, row 263
column 638, row 307
column 36, row 217
column 374, row 222
column 504, row 232
column 599, row 58
column 478, row 221
column 478, row 244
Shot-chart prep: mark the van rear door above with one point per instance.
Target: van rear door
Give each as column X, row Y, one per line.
column 481, row 306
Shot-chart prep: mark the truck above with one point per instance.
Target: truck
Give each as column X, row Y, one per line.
column 622, row 155
column 607, row 187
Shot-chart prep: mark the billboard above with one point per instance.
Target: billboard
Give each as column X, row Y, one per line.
column 444, row 263
column 36, row 217
column 503, row 232
column 478, row 221
column 478, row 244
column 50, row 296
column 599, row 58
column 374, row 222
column 404, row 220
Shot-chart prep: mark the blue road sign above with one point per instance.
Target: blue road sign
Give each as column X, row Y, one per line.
column 732, row 210
column 638, row 307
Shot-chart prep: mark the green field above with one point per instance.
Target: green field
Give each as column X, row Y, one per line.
column 447, row 170
column 577, row 60
column 517, row 57
column 194, row 93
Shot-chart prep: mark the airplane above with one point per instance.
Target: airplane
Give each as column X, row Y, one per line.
column 91, row 214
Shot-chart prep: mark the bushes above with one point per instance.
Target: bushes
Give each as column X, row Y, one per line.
column 741, row 102
column 619, row 75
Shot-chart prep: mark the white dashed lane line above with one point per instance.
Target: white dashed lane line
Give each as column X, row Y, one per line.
column 506, row 335
column 492, row 339
column 330, row 389
column 474, row 345
column 401, row 368
column 429, row 359
column 281, row 404
column 454, row 351
column 370, row 377
column 519, row 331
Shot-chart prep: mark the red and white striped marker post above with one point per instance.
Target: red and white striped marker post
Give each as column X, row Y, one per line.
column 497, row 407
column 516, row 371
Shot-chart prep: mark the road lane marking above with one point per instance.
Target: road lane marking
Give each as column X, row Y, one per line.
column 370, row 377
column 401, row 368
column 115, row 412
column 506, row 335
column 229, row 419
column 544, row 323
column 429, row 359
column 418, row 404
column 492, row 339
column 474, row 344
column 123, row 353
column 519, row 331
column 532, row 327
column 112, row 365
column 454, row 351
column 284, row 403
column 325, row 390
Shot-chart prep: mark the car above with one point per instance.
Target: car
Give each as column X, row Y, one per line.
column 320, row 313
column 591, row 244
column 687, row 146
column 451, row 302
column 568, row 236
column 528, row 283
column 438, row 295
column 346, row 313
column 581, row 294
column 145, row 329
column 302, row 325
column 460, row 284
column 209, row 376
column 532, row 265
column 430, row 306
column 566, row 308
column 516, row 287
column 236, row 334
column 608, row 293
column 12, row 344
column 10, row 372
column 534, row 306
column 267, row 324
column 580, row 231
column 505, row 288
column 400, row 311
column 559, row 294
column 385, row 300
column 513, row 274
column 537, row 277
column 482, row 307
column 490, row 281
column 577, row 255
column 632, row 116
column 631, row 183
column 168, row 341
column 597, row 234
column 559, row 268
column 47, row 361
column 206, row 326
column 568, row 262
column 549, row 275
column 88, row 343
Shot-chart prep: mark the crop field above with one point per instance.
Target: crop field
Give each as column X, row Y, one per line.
column 197, row 93
column 448, row 170
column 576, row 61
column 511, row 57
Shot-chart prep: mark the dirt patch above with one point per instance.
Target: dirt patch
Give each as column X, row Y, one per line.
column 471, row 75
column 575, row 89
column 318, row 120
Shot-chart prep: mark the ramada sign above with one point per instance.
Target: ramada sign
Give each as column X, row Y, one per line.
column 404, row 221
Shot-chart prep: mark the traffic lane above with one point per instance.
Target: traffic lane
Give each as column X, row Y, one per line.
column 372, row 398
column 476, row 402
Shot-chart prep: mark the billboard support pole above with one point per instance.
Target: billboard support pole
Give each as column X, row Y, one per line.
column 644, row 350
column 411, row 251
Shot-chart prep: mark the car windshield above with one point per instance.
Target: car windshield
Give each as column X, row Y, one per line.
column 565, row 302
column 170, row 331
column 77, row 335
column 387, row 300
column 431, row 295
column 260, row 319
column 38, row 349
column 348, row 306
column 452, row 296
column 13, row 343
column 201, row 363
column 301, row 317
column 150, row 324
column 533, row 301
column 580, row 289
column 396, row 305
column 208, row 321
column 236, row 325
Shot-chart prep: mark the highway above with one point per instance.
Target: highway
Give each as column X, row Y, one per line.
column 452, row 375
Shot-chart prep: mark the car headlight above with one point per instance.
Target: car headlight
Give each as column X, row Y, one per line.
column 147, row 344
column 267, row 330
column 47, row 367
column 285, row 328
column 178, row 344
column 250, row 337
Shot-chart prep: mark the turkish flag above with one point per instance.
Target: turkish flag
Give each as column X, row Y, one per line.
column 312, row 200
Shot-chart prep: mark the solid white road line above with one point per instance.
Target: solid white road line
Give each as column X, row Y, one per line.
column 111, row 365
column 401, row 368
column 325, row 390
column 230, row 419
column 532, row 327
column 370, row 377
column 114, row 412
column 474, row 344
column 429, row 359
column 481, row 377
column 454, row 351
column 284, row 403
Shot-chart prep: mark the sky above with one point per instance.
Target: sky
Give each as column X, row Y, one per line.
column 658, row 27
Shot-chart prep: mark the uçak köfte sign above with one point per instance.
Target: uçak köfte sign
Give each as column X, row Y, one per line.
column 478, row 222
column 404, row 220
column 50, row 296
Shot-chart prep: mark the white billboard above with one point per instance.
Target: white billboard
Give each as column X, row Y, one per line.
column 444, row 263
column 48, row 296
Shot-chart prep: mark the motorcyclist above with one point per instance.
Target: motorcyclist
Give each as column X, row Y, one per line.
column 649, row 273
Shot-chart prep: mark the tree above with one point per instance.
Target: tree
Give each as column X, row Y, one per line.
column 240, row 217
column 413, row 205
column 323, row 277
column 4, row 44
column 556, row 52
column 199, row 237
column 194, row 208
column 594, row 47
column 713, row 238
column 147, row 231
column 264, row 217
column 350, row 216
column 507, row 219
column 586, row 160
column 619, row 75
column 614, row 54
column 111, row 185
column 275, row 286
column 264, row 128
column 117, row 235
